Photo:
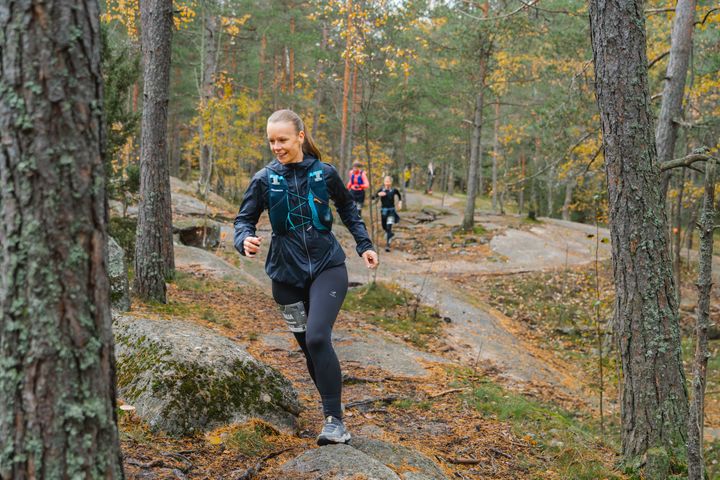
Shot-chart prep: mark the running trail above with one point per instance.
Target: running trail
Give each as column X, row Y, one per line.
column 480, row 335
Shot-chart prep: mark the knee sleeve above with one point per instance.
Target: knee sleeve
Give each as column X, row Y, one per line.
column 295, row 316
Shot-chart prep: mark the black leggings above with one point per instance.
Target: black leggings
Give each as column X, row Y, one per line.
column 323, row 298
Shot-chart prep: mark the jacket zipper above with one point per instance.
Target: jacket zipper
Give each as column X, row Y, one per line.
column 307, row 252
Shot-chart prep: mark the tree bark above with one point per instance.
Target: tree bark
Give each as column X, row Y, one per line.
column 673, row 91
column 57, row 368
column 344, row 167
column 154, row 260
column 319, row 89
column 677, row 233
column 474, row 164
column 496, row 156
column 261, row 68
column 696, row 465
column 550, row 191
column 352, row 115
column 569, row 187
column 208, row 53
column 521, row 193
column 291, row 57
column 654, row 405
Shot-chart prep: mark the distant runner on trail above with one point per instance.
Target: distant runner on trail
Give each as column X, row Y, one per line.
column 357, row 185
column 388, row 214
column 305, row 261
column 430, row 178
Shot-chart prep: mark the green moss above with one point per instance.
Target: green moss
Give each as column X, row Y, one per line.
column 251, row 439
column 573, row 442
column 198, row 395
column 409, row 404
column 375, row 296
column 394, row 309
column 122, row 229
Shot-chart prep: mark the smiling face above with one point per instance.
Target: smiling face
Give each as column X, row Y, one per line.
column 388, row 182
column 285, row 142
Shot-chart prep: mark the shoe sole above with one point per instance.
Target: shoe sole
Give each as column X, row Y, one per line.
column 322, row 441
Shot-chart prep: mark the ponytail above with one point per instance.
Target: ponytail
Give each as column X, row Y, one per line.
column 308, row 147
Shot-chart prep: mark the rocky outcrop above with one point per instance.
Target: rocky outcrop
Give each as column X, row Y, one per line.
column 198, row 232
column 374, row 459
column 183, row 378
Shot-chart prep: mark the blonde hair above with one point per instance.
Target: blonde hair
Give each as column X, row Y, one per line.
column 285, row 115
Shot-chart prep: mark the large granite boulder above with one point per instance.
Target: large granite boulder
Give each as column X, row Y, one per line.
column 192, row 230
column 183, row 378
column 118, row 274
column 375, row 459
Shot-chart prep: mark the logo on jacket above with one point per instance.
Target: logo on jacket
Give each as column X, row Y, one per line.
column 317, row 174
column 275, row 179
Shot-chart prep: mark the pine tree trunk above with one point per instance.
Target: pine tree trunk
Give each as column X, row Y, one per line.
column 291, row 57
column 696, row 464
column 352, row 115
column 521, row 193
column 496, row 156
column 261, row 67
column 320, row 88
column 154, row 260
column 677, row 233
column 344, row 167
column 673, row 91
column 474, row 165
column 569, row 187
column 57, row 370
column 654, row 402
column 550, row 191
column 207, row 85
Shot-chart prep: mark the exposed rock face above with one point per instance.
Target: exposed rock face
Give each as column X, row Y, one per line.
column 184, row 378
column 374, row 459
column 118, row 274
column 190, row 232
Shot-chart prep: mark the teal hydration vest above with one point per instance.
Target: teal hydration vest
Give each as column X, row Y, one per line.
column 285, row 218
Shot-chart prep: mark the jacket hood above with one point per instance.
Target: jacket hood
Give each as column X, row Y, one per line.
column 280, row 168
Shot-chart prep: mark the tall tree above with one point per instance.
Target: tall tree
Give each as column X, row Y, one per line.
column 696, row 463
column 57, row 394
column 654, row 402
column 475, row 147
column 674, row 89
column 344, row 160
column 210, row 38
column 154, row 260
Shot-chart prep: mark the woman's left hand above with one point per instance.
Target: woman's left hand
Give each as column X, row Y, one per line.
column 371, row 259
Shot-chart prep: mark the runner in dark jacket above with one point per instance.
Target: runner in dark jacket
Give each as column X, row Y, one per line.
column 305, row 261
column 388, row 214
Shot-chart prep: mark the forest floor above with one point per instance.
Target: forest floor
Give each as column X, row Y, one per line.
column 479, row 350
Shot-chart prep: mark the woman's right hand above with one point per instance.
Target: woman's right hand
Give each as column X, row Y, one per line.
column 251, row 245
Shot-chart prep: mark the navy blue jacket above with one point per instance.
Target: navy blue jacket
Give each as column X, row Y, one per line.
column 299, row 256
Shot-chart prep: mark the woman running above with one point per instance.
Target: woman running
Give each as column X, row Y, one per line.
column 388, row 214
column 305, row 261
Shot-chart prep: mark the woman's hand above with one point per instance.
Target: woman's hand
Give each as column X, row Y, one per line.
column 381, row 194
column 371, row 259
column 251, row 245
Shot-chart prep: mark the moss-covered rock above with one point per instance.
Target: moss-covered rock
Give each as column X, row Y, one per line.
column 118, row 275
column 183, row 378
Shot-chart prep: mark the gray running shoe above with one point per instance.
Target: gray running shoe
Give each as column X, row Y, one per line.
column 333, row 431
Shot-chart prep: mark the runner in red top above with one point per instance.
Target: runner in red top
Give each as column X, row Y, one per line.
column 357, row 185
